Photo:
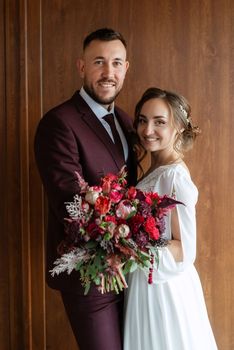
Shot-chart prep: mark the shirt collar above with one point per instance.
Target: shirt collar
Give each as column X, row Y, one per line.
column 97, row 109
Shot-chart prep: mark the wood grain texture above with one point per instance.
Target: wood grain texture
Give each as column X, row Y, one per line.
column 4, row 283
column 183, row 45
column 35, row 214
column 12, row 199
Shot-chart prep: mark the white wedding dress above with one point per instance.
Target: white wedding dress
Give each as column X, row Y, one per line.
column 169, row 314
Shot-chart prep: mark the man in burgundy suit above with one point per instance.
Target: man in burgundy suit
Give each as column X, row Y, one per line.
column 74, row 136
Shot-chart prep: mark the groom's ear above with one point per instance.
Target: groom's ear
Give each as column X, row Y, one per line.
column 81, row 67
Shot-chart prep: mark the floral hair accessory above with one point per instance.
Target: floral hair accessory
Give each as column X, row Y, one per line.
column 185, row 113
column 111, row 230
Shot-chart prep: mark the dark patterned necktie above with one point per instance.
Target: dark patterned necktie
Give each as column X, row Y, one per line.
column 109, row 118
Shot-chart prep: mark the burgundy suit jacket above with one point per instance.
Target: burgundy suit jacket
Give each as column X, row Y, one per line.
column 70, row 138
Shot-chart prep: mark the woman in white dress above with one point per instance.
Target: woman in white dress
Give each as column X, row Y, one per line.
column 170, row 313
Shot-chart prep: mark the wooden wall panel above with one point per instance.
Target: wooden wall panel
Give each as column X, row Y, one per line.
column 4, row 286
column 185, row 46
column 35, row 213
column 12, row 187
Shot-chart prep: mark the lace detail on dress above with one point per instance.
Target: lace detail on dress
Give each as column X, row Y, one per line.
column 148, row 182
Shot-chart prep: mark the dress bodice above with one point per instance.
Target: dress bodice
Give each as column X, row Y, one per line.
column 174, row 180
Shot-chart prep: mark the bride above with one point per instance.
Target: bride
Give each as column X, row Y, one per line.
column 170, row 313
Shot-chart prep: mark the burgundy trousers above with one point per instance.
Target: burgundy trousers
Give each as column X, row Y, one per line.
column 96, row 320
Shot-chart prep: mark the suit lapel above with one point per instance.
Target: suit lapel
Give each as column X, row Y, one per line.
column 92, row 121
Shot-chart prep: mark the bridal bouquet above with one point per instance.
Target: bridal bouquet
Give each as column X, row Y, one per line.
column 110, row 230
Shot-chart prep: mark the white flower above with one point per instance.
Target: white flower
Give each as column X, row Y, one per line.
column 91, row 196
column 123, row 230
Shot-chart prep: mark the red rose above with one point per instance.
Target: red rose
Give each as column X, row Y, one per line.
column 131, row 194
column 110, row 218
column 151, row 229
column 115, row 196
column 102, row 205
column 93, row 230
column 116, row 186
column 152, row 197
column 135, row 223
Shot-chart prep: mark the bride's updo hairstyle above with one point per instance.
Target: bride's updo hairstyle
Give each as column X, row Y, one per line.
column 181, row 116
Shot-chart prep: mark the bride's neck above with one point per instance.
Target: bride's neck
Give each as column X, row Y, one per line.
column 158, row 160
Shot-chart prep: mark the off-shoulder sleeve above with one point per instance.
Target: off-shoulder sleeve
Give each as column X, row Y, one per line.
column 178, row 181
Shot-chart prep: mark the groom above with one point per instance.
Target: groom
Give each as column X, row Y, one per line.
column 74, row 136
